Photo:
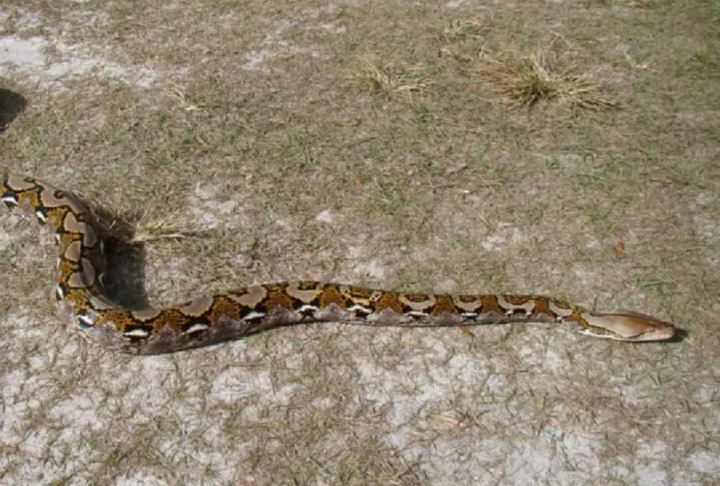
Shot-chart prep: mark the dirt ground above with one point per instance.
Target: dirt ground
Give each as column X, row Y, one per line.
column 560, row 148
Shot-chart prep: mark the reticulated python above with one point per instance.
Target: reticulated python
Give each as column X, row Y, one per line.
column 208, row 320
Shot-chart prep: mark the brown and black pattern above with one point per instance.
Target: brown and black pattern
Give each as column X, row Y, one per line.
column 213, row 319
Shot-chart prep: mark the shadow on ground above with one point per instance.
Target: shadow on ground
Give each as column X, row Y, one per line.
column 11, row 105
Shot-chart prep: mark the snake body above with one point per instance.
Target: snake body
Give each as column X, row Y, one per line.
column 212, row 319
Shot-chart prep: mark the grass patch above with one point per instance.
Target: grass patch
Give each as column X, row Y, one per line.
column 525, row 79
column 387, row 80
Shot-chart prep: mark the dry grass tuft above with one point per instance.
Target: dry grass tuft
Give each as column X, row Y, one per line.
column 458, row 30
column 386, row 79
column 525, row 79
column 169, row 227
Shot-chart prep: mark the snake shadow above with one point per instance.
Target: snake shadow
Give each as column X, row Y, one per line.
column 680, row 335
column 125, row 258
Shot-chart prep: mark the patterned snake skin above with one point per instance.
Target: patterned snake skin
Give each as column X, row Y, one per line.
column 213, row 319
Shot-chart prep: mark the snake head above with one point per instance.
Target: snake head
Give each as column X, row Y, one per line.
column 628, row 326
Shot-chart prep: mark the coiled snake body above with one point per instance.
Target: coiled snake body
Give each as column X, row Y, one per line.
column 213, row 319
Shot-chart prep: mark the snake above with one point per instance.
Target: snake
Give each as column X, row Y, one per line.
column 207, row 320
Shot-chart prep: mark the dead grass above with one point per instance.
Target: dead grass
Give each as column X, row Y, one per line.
column 462, row 30
column 551, row 73
column 526, row 79
column 168, row 227
column 386, row 80
column 376, row 143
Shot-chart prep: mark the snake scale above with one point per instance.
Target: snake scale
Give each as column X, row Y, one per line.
column 212, row 319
